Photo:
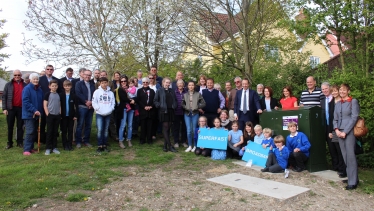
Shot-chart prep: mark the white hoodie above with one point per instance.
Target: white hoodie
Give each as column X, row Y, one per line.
column 103, row 101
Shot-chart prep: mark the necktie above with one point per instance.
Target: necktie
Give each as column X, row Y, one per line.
column 245, row 102
column 327, row 110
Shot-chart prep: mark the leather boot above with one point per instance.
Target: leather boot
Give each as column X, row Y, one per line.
column 165, row 147
column 172, row 149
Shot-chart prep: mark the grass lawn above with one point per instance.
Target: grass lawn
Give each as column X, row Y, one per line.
column 73, row 175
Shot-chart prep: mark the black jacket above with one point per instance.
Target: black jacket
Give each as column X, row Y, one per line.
column 123, row 100
column 142, row 97
column 160, row 101
column 7, row 98
column 44, row 84
column 73, row 107
column 273, row 103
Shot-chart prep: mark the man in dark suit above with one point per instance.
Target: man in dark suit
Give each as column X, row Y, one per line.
column 68, row 76
column 44, row 85
column 328, row 105
column 84, row 91
column 246, row 105
column 80, row 78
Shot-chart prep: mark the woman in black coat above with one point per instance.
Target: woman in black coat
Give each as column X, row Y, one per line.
column 145, row 97
column 268, row 103
column 166, row 103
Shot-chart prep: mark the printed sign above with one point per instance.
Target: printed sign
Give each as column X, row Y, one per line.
column 287, row 119
column 213, row 138
column 256, row 153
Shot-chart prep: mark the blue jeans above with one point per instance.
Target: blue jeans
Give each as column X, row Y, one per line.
column 191, row 124
column 31, row 132
column 127, row 118
column 102, row 123
column 85, row 116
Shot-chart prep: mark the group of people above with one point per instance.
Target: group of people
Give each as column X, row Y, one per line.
column 70, row 103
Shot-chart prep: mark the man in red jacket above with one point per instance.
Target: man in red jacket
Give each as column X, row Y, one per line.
column 12, row 107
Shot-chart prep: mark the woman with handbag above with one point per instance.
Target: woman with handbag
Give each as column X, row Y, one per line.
column 345, row 117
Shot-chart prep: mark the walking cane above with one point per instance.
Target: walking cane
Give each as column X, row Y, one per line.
column 39, row 120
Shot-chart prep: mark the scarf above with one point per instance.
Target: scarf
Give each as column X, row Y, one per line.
column 348, row 100
column 224, row 123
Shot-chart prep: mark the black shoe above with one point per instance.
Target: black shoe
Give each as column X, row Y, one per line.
column 105, row 149
column 20, row 145
column 165, row 149
column 142, row 142
column 343, row 175
column 351, row 187
column 66, row 149
column 172, row 149
column 265, row 170
column 99, row 150
column 9, row 146
column 297, row 169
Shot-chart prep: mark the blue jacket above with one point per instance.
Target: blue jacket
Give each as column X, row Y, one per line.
column 32, row 101
column 299, row 141
column 81, row 92
column 282, row 156
column 270, row 142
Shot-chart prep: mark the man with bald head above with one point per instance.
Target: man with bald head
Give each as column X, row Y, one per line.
column 12, row 107
column 313, row 95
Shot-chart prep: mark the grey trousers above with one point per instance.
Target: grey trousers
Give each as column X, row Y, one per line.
column 347, row 147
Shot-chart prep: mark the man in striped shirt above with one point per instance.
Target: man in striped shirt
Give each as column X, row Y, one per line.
column 313, row 95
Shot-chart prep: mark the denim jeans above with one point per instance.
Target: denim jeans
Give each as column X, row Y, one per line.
column 127, row 118
column 102, row 123
column 191, row 124
column 31, row 132
column 85, row 116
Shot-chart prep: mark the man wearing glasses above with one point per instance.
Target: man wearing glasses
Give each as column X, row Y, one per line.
column 84, row 91
column 44, row 85
column 12, row 107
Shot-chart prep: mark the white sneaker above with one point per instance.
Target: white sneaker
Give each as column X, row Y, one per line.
column 193, row 149
column 286, row 172
column 176, row 145
column 185, row 145
column 188, row 149
column 47, row 152
column 55, row 150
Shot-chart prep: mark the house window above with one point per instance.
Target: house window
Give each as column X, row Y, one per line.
column 314, row 61
column 271, row 52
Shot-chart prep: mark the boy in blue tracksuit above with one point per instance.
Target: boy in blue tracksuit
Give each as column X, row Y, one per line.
column 278, row 157
column 298, row 144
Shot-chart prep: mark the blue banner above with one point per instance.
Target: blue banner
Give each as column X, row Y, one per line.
column 212, row 138
column 256, row 153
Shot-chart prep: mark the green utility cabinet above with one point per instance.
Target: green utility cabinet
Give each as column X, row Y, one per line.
column 310, row 121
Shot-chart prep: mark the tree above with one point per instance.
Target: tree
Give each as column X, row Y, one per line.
column 81, row 32
column 154, row 28
column 234, row 28
column 3, row 36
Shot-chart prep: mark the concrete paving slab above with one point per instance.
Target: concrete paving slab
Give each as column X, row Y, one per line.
column 329, row 175
column 270, row 188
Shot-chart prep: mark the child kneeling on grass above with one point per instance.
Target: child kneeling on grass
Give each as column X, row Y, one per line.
column 278, row 157
column 103, row 103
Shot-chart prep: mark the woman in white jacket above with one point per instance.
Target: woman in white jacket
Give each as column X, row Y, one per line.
column 103, row 102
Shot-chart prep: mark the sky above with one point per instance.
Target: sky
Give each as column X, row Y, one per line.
column 13, row 11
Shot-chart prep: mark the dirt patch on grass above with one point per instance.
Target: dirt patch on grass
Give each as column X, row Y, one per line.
column 188, row 189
